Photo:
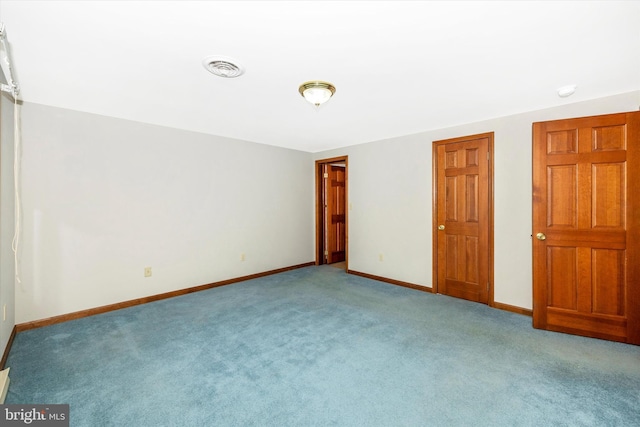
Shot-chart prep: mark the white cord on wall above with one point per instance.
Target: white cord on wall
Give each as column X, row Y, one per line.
column 16, row 186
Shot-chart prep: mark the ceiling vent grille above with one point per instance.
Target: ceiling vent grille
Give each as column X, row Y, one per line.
column 223, row 67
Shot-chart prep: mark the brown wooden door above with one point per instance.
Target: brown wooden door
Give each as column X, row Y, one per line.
column 586, row 226
column 462, row 227
column 335, row 200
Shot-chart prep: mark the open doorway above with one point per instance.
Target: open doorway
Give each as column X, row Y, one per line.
column 331, row 211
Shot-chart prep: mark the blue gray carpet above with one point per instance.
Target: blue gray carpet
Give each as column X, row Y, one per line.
column 318, row 347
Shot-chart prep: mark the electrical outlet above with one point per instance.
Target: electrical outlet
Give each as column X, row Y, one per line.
column 147, row 272
column 381, row 257
column 242, row 256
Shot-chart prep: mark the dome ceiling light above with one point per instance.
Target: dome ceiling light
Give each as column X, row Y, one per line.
column 317, row 92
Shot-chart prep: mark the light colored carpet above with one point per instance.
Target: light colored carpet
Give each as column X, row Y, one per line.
column 319, row 347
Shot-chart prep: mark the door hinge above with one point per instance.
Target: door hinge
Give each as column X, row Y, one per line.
column 326, row 175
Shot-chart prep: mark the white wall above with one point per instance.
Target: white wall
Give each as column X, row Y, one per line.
column 104, row 198
column 390, row 192
column 7, row 206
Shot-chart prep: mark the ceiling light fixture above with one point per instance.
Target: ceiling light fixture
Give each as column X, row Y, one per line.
column 317, row 92
column 222, row 66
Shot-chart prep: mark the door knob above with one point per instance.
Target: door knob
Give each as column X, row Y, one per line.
column 441, row 227
column 541, row 236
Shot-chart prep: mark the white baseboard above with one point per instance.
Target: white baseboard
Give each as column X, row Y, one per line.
column 4, row 384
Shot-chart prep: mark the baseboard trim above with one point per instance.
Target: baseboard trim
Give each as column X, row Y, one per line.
column 498, row 305
column 7, row 349
column 125, row 304
column 513, row 309
column 391, row 281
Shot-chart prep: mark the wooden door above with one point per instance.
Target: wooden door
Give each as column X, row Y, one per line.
column 335, row 212
column 586, row 226
column 332, row 228
column 463, row 237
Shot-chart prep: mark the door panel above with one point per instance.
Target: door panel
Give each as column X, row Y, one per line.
column 586, row 175
column 462, row 230
column 608, row 281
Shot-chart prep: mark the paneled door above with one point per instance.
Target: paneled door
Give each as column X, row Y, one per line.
column 335, row 212
column 332, row 230
column 463, row 203
column 586, row 226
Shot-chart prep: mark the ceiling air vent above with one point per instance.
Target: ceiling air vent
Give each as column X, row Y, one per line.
column 223, row 67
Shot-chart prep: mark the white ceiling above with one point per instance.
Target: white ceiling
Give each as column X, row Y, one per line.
column 399, row 67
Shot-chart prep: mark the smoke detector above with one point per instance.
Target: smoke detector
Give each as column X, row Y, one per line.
column 566, row 91
column 223, row 66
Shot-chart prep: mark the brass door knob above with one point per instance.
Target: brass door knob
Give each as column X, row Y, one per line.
column 441, row 227
column 541, row 236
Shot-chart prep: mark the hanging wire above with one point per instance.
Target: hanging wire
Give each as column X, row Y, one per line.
column 12, row 88
column 16, row 187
